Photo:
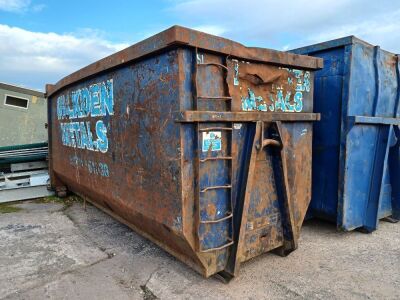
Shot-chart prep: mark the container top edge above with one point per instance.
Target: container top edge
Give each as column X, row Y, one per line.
column 181, row 36
column 340, row 42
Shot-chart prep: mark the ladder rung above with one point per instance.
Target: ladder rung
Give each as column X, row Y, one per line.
column 230, row 215
column 216, row 158
column 216, row 187
column 215, row 128
column 214, row 98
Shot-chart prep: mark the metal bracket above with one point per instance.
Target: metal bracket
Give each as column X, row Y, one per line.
column 266, row 142
column 214, row 116
column 374, row 120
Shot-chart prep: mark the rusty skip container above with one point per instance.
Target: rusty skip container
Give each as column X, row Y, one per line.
column 198, row 143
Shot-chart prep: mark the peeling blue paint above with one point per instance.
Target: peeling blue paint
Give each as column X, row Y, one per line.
column 93, row 167
column 79, row 135
column 253, row 102
column 95, row 101
column 281, row 101
column 303, row 83
column 212, row 141
column 236, row 75
column 298, row 100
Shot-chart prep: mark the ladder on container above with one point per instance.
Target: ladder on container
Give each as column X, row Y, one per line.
column 201, row 191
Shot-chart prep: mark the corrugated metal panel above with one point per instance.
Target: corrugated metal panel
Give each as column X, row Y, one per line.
column 356, row 162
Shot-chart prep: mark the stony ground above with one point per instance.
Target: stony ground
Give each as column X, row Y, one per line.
column 55, row 250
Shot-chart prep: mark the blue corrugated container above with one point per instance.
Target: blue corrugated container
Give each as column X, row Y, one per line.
column 356, row 150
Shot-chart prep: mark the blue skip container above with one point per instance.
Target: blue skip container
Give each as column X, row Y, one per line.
column 356, row 165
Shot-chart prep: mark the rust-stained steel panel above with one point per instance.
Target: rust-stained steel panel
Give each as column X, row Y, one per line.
column 199, row 143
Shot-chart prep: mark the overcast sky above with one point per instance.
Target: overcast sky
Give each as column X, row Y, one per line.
column 43, row 41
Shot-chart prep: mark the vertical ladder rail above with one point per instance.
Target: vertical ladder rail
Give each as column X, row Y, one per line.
column 200, row 161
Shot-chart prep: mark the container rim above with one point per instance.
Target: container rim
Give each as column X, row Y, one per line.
column 181, row 36
column 335, row 43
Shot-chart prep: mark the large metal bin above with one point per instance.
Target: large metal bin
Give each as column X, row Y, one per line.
column 197, row 142
column 356, row 153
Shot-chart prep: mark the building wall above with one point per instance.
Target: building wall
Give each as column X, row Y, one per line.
column 18, row 125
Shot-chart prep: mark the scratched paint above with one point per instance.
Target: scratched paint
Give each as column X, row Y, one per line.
column 95, row 101
column 236, row 76
column 253, row 102
column 282, row 100
column 93, row 167
column 212, row 141
column 303, row 84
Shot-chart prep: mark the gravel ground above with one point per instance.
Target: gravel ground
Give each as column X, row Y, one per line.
column 53, row 250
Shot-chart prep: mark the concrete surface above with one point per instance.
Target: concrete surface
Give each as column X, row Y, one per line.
column 53, row 251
